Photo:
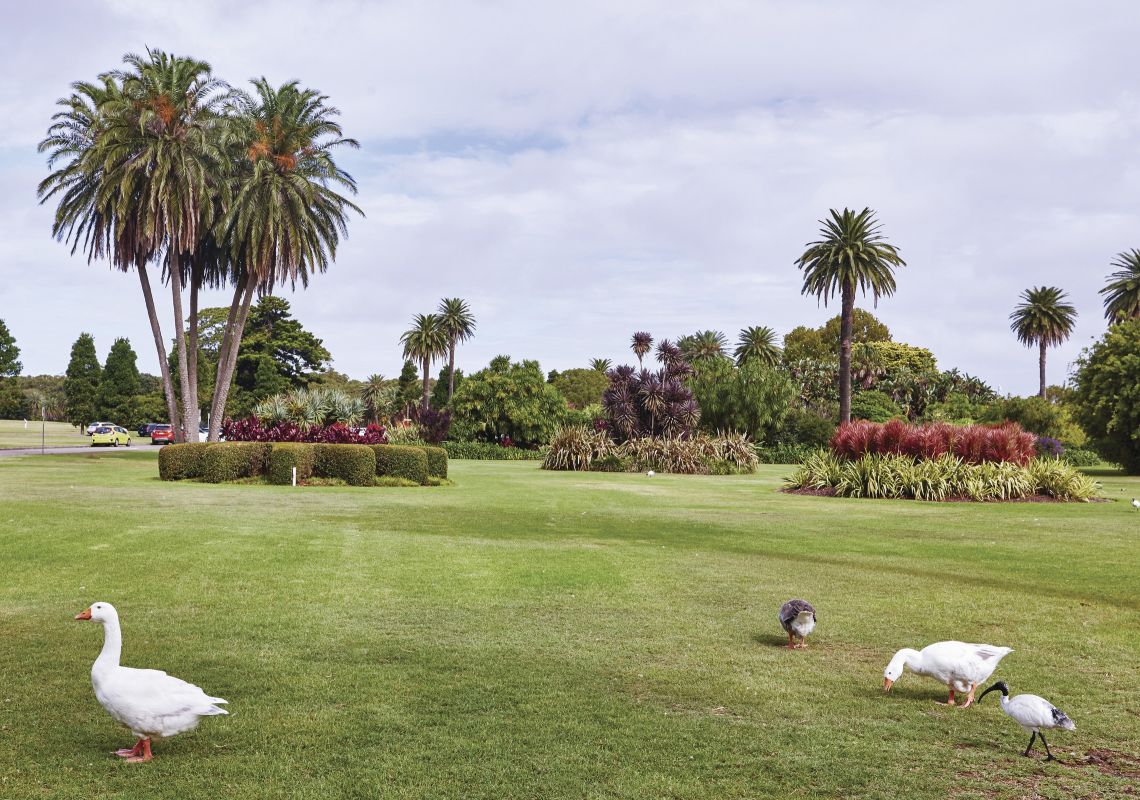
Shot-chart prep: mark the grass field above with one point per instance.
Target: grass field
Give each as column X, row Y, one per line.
column 525, row 634
column 13, row 434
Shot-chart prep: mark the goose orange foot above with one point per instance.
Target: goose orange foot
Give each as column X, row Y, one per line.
column 146, row 754
column 127, row 752
column 949, row 702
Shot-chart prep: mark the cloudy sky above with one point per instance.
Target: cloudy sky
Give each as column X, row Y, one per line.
column 581, row 170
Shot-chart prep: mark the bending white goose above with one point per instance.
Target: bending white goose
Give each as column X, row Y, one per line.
column 1032, row 713
column 959, row 665
column 798, row 618
column 148, row 701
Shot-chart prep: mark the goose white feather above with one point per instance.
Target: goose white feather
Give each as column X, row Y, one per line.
column 962, row 666
column 151, row 703
column 1033, row 713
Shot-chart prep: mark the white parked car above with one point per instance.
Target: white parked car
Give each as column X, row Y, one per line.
column 91, row 428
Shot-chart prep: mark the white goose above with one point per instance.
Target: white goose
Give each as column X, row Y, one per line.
column 148, row 701
column 959, row 665
column 1032, row 713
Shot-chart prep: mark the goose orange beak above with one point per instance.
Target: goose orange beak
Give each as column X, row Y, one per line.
column 84, row 614
column 887, row 684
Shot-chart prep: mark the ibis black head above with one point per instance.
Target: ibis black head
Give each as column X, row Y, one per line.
column 1000, row 686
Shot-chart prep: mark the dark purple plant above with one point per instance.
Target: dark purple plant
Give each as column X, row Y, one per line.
column 1050, row 447
column 434, row 425
column 250, row 429
column 643, row 403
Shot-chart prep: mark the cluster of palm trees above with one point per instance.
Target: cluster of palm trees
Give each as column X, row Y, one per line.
column 437, row 335
column 160, row 163
column 852, row 254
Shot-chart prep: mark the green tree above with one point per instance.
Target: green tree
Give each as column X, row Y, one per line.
column 581, row 387
column 119, row 386
column 822, row 343
column 407, row 387
column 82, row 382
column 1107, row 398
column 511, row 399
column 851, row 255
column 12, row 403
column 1122, row 293
column 459, row 324
column 425, row 341
column 442, row 385
column 874, row 406
column 273, row 337
column 1043, row 319
column 757, row 343
column 377, row 394
column 753, row 398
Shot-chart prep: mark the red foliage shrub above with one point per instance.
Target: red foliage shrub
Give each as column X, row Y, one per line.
column 250, row 429
column 971, row 443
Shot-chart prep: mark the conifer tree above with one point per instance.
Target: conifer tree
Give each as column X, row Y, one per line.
column 81, row 386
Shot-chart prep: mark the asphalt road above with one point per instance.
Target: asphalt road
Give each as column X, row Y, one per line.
column 55, row 451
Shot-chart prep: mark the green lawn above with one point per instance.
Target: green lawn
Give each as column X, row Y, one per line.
column 525, row 634
column 14, row 435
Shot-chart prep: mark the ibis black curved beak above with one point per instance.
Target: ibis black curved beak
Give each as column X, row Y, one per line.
column 1000, row 686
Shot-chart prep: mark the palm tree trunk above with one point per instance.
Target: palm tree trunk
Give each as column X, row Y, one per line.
column 451, row 371
column 427, row 372
column 189, row 417
column 227, row 358
column 192, row 347
column 845, row 331
column 1042, row 367
column 160, row 347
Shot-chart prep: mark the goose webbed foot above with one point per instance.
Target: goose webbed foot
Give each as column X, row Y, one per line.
column 145, row 756
column 949, row 702
column 127, row 752
column 970, row 697
column 791, row 642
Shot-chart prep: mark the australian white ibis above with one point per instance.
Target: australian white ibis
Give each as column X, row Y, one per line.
column 1035, row 714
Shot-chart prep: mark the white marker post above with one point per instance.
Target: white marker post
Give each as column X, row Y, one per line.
column 294, row 476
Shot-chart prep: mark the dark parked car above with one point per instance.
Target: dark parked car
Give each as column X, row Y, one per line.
column 146, row 428
column 161, row 434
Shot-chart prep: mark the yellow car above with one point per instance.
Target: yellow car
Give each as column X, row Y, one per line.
column 111, row 436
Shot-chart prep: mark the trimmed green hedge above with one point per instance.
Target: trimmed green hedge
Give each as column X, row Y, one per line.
column 285, row 456
column 436, row 461
column 178, row 462
column 234, row 461
column 401, row 461
column 355, row 464
column 486, row 451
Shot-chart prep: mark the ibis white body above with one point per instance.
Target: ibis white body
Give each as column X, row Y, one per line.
column 1033, row 713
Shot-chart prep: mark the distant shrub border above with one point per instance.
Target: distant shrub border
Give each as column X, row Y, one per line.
column 487, row 451
column 355, row 464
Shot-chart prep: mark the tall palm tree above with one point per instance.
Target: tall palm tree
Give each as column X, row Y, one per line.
column 286, row 217
column 425, row 341
column 600, row 364
column 1122, row 293
column 852, row 254
column 459, row 323
column 757, row 342
column 1043, row 319
column 641, row 344
column 89, row 213
column 165, row 164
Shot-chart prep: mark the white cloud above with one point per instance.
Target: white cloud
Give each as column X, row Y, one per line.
column 581, row 171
